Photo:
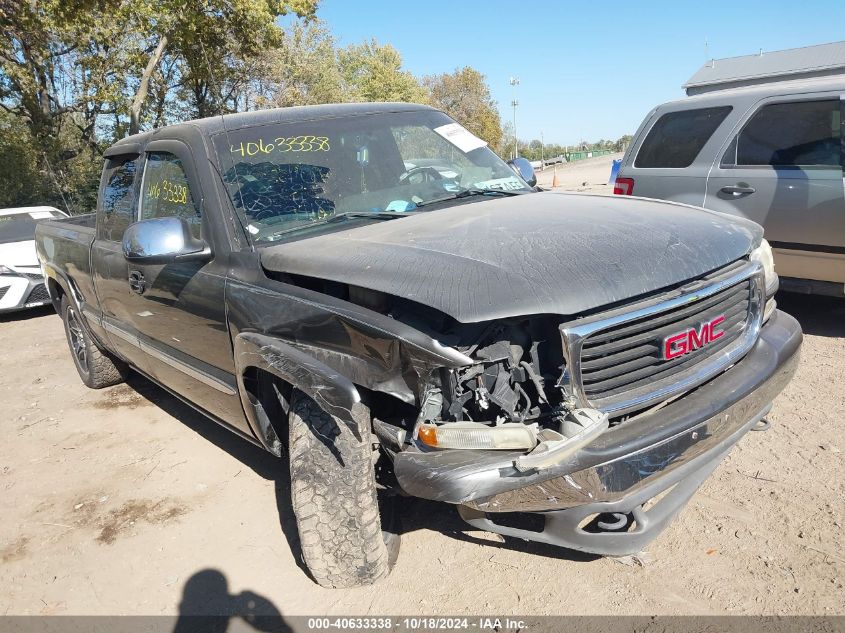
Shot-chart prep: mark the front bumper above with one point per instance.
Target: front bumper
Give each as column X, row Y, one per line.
column 629, row 465
column 18, row 292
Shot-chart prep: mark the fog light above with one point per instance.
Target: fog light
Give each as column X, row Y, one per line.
column 473, row 435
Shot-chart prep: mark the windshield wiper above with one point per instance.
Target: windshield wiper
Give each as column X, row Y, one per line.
column 468, row 193
column 340, row 217
column 381, row 215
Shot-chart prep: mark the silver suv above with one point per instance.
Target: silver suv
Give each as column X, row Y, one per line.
column 772, row 153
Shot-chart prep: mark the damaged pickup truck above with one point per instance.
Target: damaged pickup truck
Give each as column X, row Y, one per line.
column 370, row 292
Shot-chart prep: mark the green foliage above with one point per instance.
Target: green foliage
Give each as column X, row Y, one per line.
column 465, row 96
column 20, row 182
column 372, row 72
column 302, row 70
column 307, row 68
column 76, row 75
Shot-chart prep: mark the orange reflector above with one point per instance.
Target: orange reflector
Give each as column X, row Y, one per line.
column 428, row 434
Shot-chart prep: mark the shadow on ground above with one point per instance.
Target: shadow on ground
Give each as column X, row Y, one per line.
column 29, row 313
column 208, row 607
column 818, row 315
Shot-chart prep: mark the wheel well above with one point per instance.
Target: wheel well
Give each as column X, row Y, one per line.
column 270, row 398
column 56, row 294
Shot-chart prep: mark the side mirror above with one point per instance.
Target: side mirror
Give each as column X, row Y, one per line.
column 524, row 170
column 163, row 241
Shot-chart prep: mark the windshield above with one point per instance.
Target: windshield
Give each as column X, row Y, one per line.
column 285, row 176
column 20, row 227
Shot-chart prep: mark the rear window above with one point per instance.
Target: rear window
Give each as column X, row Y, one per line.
column 800, row 134
column 20, row 227
column 677, row 137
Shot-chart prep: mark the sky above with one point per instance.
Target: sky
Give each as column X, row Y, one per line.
column 587, row 70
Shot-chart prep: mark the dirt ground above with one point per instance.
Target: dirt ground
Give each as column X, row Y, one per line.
column 126, row 501
column 590, row 175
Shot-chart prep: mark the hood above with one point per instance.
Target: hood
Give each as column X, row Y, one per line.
column 541, row 253
column 17, row 254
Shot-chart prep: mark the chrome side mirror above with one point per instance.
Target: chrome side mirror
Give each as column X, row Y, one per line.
column 524, row 170
column 163, row 241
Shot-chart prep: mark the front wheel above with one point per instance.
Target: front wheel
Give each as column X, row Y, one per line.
column 333, row 493
column 96, row 367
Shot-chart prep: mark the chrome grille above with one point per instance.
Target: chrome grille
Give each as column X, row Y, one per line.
column 615, row 360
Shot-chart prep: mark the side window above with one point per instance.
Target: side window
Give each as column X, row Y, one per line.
column 165, row 191
column 117, row 210
column 678, row 137
column 800, row 134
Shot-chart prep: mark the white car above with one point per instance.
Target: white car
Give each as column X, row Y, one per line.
column 21, row 280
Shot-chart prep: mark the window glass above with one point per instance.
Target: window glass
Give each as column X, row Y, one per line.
column 803, row 134
column 20, row 227
column 286, row 177
column 118, row 203
column 677, row 137
column 165, row 192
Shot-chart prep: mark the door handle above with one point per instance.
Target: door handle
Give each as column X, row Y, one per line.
column 137, row 282
column 738, row 190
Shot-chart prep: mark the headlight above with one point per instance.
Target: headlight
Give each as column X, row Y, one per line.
column 763, row 254
column 473, row 435
column 6, row 271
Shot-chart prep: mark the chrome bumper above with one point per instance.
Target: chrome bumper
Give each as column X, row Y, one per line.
column 679, row 445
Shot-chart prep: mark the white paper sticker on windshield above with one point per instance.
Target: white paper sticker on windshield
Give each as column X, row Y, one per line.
column 40, row 215
column 460, row 137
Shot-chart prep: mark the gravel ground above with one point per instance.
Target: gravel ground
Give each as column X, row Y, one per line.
column 590, row 175
column 126, row 501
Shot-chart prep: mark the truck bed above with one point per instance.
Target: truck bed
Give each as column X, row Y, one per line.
column 65, row 246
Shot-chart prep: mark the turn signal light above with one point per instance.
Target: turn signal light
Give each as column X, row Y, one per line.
column 473, row 435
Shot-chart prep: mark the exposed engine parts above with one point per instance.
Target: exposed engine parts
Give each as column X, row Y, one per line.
column 513, row 379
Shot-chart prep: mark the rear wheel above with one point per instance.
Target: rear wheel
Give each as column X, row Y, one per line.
column 333, row 493
column 96, row 367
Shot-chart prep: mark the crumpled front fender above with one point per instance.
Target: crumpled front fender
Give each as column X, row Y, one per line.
column 333, row 392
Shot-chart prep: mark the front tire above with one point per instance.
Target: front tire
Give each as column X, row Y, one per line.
column 333, row 493
column 96, row 367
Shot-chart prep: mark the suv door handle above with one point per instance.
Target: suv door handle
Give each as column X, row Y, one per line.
column 137, row 282
column 738, row 190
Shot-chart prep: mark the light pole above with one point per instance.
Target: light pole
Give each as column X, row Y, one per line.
column 514, row 82
column 542, row 151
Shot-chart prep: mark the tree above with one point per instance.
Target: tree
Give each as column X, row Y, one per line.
column 20, row 181
column 622, row 143
column 211, row 39
column 465, row 96
column 302, row 70
column 372, row 72
column 61, row 72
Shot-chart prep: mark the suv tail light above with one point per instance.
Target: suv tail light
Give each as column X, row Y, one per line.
column 623, row 186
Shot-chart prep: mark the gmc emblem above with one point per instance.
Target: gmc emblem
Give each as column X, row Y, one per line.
column 677, row 345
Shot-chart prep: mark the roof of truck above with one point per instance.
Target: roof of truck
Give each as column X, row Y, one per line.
column 229, row 122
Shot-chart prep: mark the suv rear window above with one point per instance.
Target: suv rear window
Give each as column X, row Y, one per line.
column 677, row 137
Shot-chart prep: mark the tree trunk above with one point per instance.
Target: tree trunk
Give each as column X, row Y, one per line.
column 143, row 88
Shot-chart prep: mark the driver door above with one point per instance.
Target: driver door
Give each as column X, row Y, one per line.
column 181, row 315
